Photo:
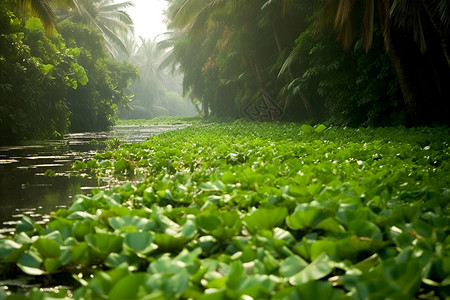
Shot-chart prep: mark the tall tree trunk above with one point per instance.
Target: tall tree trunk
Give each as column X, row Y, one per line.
column 419, row 76
column 205, row 107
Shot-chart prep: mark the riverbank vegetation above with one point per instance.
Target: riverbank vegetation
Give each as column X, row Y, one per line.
column 272, row 60
column 260, row 210
column 74, row 68
column 53, row 83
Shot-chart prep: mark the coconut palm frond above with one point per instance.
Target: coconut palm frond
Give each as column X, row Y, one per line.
column 367, row 35
column 40, row 9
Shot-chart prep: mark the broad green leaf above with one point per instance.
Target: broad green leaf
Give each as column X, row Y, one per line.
column 309, row 216
column 25, row 225
column 213, row 186
column 319, row 268
column 167, row 242
column 30, row 263
column 47, row 69
column 166, row 265
column 52, row 264
column 324, row 246
column 320, row 128
column 114, row 260
column 423, row 228
column 129, row 287
column 235, row 275
column 177, row 284
column 265, row 218
column 257, row 286
column 292, row 265
column 189, row 229
column 307, row 128
column 364, row 228
column 105, row 242
column 131, row 223
column 208, row 222
column 81, row 215
column 47, row 248
column 140, row 241
column 34, row 24
column 10, row 250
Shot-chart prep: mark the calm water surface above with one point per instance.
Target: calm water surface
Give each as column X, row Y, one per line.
column 25, row 190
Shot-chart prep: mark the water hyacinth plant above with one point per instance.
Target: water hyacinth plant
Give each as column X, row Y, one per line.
column 250, row 211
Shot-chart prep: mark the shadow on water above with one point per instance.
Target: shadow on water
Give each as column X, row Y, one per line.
column 35, row 176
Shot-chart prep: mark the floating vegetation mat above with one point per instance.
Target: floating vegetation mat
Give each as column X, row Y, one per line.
column 249, row 211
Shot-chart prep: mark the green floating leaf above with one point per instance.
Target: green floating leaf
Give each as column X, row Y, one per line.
column 114, row 260
column 25, row 225
column 364, row 228
column 81, row 215
column 129, row 287
column 423, row 228
column 165, row 194
column 131, row 223
column 52, row 264
column 307, row 216
column 140, row 241
column 177, row 284
column 10, row 250
column 189, row 229
column 324, row 246
column 208, row 222
column 167, row 242
column 257, row 286
column 105, row 242
column 30, row 264
column 213, row 186
column 319, row 128
column 319, row 268
column 307, row 128
column 166, row 265
column 47, row 248
column 292, row 265
column 265, row 219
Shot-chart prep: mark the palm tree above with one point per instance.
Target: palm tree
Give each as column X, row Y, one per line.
column 424, row 93
column 107, row 17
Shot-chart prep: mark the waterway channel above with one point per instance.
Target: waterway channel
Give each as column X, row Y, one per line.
column 26, row 189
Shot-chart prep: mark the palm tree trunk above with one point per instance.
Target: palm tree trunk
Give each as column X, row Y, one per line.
column 205, row 107
column 420, row 77
column 409, row 96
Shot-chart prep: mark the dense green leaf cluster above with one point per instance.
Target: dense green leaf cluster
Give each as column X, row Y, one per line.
column 246, row 210
column 45, row 79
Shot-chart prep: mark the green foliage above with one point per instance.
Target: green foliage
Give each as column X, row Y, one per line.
column 229, row 211
column 42, row 77
column 33, row 88
column 94, row 105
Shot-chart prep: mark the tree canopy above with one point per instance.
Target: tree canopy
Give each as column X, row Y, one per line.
column 50, row 84
column 280, row 59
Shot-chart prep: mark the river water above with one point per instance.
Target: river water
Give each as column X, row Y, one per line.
column 26, row 189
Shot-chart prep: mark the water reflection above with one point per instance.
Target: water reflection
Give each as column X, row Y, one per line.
column 27, row 190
